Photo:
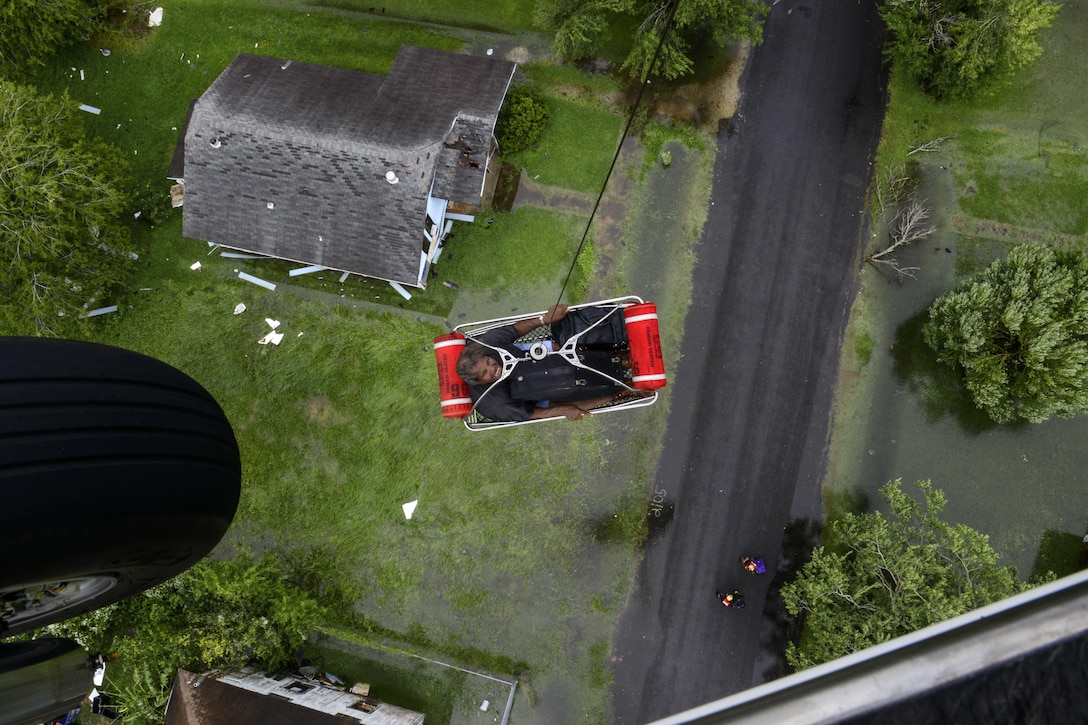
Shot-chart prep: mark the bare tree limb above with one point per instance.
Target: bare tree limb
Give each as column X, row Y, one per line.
column 929, row 146
column 909, row 226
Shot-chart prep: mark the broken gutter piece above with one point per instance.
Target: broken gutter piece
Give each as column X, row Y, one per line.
column 257, row 281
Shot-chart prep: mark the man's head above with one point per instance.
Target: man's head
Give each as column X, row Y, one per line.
column 476, row 367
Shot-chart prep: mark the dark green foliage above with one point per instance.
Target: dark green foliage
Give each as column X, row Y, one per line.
column 64, row 246
column 580, row 27
column 33, row 30
column 1019, row 334
column 882, row 576
column 956, row 48
column 222, row 614
column 523, row 119
column 152, row 200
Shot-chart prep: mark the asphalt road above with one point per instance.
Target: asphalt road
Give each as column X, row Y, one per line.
column 747, row 434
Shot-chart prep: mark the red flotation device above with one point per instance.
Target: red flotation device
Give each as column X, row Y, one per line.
column 647, row 366
column 456, row 402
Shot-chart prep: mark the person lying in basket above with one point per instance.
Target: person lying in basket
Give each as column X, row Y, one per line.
column 548, row 388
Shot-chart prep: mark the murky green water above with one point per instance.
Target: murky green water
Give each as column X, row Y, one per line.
column 910, row 418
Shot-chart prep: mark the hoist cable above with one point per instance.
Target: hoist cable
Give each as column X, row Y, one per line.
column 630, row 121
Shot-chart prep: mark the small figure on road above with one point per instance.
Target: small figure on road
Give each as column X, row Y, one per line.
column 734, row 600
column 753, row 566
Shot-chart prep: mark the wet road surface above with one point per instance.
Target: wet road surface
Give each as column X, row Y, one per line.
column 745, row 448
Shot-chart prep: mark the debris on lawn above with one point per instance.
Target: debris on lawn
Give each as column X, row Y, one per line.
column 90, row 109
column 409, row 508
column 195, row 266
column 272, row 337
column 256, row 280
column 306, row 270
column 154, row 18
column 400, row 290
column 240, row 308
column 101, row 311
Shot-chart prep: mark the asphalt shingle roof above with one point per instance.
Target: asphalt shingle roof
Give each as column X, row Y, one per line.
column 290, row 159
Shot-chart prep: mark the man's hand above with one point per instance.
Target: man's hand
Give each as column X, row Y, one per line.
column 573, row 412
column 554, row 314
column 565, row 410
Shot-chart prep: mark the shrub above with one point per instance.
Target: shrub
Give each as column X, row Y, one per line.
column 522, row 120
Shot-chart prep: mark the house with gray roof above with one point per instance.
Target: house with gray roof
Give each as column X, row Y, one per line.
column 345, row 170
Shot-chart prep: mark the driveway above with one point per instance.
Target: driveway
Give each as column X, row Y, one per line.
column 750, row 401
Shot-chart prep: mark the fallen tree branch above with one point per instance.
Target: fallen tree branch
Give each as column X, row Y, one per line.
column 930, row 146
column 909, row 226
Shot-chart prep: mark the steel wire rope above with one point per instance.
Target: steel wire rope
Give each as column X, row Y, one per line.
column 630, row 121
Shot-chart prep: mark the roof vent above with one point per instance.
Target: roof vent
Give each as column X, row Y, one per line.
column 215, row 143
column 271, row 205
column 391, row 177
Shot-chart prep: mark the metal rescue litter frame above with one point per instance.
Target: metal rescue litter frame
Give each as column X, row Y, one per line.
column 471, row 330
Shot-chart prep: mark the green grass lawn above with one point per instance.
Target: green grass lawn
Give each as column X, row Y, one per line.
column 503, row 16
column 1020, row 153
column 579, row 137
column 518, row 555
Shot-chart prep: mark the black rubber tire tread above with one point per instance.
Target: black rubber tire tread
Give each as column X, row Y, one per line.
column 111, row 463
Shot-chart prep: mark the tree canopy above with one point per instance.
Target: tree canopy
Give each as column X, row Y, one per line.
column 61, row 197
column 222, row 613
column 882, row 576
column 958, row 47
column 580, row 27
column 1019, row 333
column 31, row 31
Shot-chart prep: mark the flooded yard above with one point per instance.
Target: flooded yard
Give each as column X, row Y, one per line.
column 1021, row 484
column 899, row 414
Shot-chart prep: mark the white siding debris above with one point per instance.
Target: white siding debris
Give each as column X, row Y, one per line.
column 306, row 270
column 257, row 281
column 400, row 290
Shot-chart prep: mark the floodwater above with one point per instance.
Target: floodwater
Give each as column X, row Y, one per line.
column 904, row 416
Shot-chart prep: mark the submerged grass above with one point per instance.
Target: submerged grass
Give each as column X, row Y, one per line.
column 1013, row 169
column 1019, row 155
